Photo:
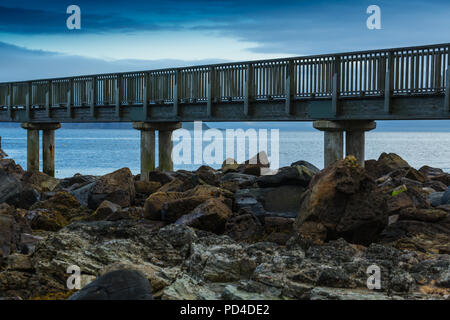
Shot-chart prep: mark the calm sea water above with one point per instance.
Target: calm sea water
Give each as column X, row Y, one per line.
column 100, row 151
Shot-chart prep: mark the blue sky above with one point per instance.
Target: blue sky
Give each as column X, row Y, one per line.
column 133, row 35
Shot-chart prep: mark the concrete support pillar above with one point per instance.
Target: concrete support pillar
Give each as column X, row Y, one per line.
column 32, row 150
column 165, row 146
column 355, row 139
column 48, row 146
column 48, row 152
column 333, row 140
column 333, row 147
column 147, row 148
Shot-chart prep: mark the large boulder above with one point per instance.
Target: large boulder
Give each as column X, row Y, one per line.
column 13, row 228
column 63, row 204
column 294, row 175
column 117, row 285
column 10, row 186
column 211, row 215
column 387, row 162
column 346, row 201
column 281, row 201
column 117, row 187
column 169, row 206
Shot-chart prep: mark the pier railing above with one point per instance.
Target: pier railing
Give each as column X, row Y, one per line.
column 388, row 72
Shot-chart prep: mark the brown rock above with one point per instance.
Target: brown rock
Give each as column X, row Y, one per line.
column 147, row 187
column 117, row 187
column 244, row 226
column 229, row 165
column 64, row 204
column 427, row 215
column 211, row 215
column 105, row 210
column 346, row 201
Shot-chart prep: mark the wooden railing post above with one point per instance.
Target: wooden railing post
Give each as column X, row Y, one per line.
column 211, row 91
column 10, row 100
column 48, row 98
column 290, row 89
column 28, row 100
column 145, row 96
column 389, row 81
column 176, row 92
column 70, row 96
column 335, row 85
column 249, row 88
column 118, row 91
column 93, row 96
column 447, row 83
column 447, row 90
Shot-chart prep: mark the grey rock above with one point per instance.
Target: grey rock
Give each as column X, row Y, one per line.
column 117, row 285
column 446, row 197
column 10, row 186
column 82, row 194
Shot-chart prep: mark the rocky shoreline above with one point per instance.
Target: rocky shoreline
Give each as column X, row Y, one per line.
column 231, row 233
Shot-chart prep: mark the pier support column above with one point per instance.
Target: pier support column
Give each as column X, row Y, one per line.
column 165, row 145
column 355, row 138
column 147, row 147
column 333, row 140
column 48, row 146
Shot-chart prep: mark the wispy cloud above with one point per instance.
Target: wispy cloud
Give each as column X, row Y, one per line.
column 19, row 64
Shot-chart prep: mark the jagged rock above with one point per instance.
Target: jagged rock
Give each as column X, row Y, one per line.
column 308, row 165
column 208, row 175
column 418, row 236
column 244, row 226
column 169, row 206
column 117, row 285
column 436, row 198
column 255, row 165
column 117, row 187
column 26, row 198
column 82, row 193
column 187, row 288
column 295, row 175
column 40, row 181
column 345, row 200
column 12, row 226
column 46, row 219
column 171, row 186
column 161, row 177
column 62, row 203
column 427, row 215
column 211, row 215
column 229, row 165
column 446, row 197
column 283, row 200
column 386, row 163
column 236, row 180
column 10, row 186
column 105, row 210
column 77, row 181
column 147, row 187
column 158, row 277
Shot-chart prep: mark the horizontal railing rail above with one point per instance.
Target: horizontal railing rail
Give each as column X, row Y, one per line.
column 387, row 72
